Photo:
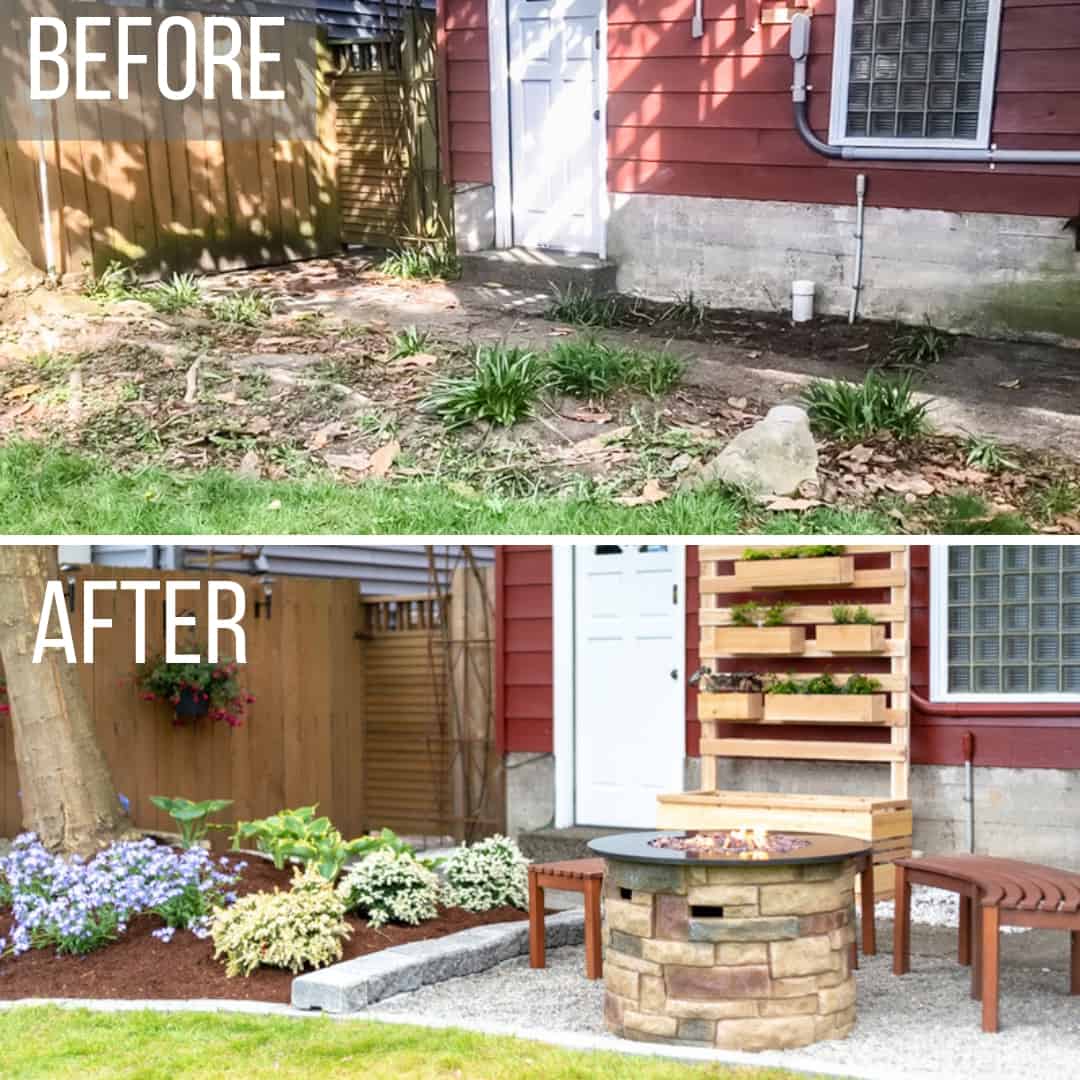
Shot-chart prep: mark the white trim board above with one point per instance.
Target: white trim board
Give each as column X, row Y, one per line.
column 499, row 91
column 501, row 151
column 840, row 79
column 939, row 644
column 563, row 636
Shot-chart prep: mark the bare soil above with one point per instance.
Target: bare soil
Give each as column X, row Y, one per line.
column 138, row 966
column 316, row 389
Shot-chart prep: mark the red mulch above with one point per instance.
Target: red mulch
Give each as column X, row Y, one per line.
column 139, row 966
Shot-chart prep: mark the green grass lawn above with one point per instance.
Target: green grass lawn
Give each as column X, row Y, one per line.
column 47, row 491
column 54, row 1043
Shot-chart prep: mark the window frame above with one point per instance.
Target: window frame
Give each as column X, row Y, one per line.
column 841, row 81
column 939, row 644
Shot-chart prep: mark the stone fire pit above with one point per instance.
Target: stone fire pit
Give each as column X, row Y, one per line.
column 740, row 940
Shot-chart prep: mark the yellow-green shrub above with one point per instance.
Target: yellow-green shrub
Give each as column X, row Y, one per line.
column 304, row 927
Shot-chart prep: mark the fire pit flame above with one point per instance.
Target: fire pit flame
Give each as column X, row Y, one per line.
column 754, row 842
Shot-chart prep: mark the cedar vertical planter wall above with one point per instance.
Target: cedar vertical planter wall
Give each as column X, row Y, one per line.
column 839, row 728
column 350, row 711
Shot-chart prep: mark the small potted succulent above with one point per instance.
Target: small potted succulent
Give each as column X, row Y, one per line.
column 853, row 630
column 759, row 630
column 728, row 695
column 196, row 690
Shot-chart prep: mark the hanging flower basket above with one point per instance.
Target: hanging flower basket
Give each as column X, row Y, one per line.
column 196, row 690
column 191, row 705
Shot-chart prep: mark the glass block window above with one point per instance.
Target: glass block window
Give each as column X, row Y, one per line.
column 916, row 68
column 1013, row 620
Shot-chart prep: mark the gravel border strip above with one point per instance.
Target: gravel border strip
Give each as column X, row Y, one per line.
column 354, row 984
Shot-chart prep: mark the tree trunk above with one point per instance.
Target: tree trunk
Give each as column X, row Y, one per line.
column 68, row 797
column 17, row 271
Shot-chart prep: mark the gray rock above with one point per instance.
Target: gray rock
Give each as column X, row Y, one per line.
column 353, row 984
column 773, row 457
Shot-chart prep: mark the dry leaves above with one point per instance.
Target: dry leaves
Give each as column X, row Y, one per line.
column 377, row 464
column 651, row 493
column 383, row 458
column 358, row 462
column 326, row 435
column 416, row 362
column 591, row 416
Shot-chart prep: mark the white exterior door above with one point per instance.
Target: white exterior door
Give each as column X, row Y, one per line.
column 557, row 123
column 629, row 716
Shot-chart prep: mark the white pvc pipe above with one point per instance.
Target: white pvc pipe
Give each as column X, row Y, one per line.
column 43, row 185
column 860, row 217
column 802, row 301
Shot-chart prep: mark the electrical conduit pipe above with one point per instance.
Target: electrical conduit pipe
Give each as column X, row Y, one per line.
column 800, row 52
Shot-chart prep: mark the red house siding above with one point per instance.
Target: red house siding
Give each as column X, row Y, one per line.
column 665, row 87
column 712, row 116
column 1013, row 736
column 1031, row 736
column 523, row 648
column 463, row 28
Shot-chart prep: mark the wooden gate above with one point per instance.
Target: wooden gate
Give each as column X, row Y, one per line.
column 390, row 187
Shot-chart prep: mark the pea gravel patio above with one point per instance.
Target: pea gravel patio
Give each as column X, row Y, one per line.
column 924, row 1024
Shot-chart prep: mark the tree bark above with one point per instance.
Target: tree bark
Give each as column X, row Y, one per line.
column 68, row 797
column 17, row 270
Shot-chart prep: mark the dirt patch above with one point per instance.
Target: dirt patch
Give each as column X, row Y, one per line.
column 320, row 389
column 139, row 966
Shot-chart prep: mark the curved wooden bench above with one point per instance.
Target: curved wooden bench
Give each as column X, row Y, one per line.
column 993, row 893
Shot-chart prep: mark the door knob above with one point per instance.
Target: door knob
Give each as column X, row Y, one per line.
column 675, row 674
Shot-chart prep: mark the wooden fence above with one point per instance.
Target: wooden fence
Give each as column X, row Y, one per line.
column 390, row 186
column 350, row 710
column 195, row 201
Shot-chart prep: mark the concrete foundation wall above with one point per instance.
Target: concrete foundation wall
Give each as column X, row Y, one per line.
column 994, row 274
column 1019, row 813
column 530, row 792
column 474, row 217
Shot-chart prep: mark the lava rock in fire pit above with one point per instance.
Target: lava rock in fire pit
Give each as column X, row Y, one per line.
column 712, row 843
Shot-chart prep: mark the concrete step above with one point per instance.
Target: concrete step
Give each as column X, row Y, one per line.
column 554, row 845
column 540, row 271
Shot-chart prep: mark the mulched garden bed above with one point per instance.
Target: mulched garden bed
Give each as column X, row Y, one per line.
column 138, row 966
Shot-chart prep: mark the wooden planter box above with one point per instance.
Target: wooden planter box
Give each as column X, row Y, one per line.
column 759, row 640
column 795, row 573
column 733, row 706
column 825, row 708
column 851, row 638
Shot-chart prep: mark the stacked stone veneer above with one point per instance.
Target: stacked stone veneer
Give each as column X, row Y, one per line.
column 772, row 972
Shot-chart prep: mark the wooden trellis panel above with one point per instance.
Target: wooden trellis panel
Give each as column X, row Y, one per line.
column 874, row 576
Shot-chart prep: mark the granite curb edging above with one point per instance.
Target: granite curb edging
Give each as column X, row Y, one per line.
column 354, row 984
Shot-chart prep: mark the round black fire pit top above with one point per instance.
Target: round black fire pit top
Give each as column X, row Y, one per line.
column 638, row 847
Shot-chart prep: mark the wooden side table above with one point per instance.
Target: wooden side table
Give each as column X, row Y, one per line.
column 585, row 876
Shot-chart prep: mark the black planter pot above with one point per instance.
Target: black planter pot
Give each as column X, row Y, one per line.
column 190, row 707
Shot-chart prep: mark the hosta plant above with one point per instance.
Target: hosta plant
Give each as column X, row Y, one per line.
column 391, row 886
column 486, row 875
column 190, row 817
column 302, row 928
column 299, row 834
